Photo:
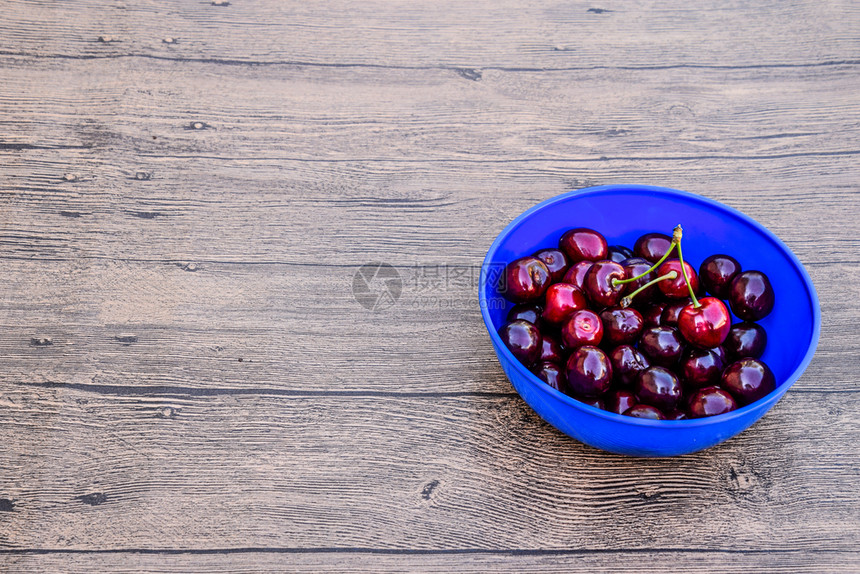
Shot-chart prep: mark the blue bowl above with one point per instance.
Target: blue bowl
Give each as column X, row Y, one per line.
column 709, row 227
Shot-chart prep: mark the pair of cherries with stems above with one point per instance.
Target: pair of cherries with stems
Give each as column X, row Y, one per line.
column 704, row 322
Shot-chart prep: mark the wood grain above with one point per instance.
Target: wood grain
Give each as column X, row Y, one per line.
column 186, row 190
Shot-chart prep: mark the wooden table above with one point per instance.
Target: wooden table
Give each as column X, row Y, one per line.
column 187, row 190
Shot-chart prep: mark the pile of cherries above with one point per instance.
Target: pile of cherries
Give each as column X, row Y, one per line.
column 634, row 332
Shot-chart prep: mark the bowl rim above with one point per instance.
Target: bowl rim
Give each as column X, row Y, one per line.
column 765, row 402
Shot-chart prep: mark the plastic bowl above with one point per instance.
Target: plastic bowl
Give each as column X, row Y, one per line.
column 622, row 213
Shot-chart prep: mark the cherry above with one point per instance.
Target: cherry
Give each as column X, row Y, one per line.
column 627, row 364
column 669, row 317
column 635, row 267
column 676, row 415
column 598, row 285
column 588, row 372
column 619, row 253
column 620, row 326
column 595, row 402
column 652, row 246
column 706, row 325
column 652, row 314
column 576, row 273
column 583, row 327
column 525, row 279
column 530, row 312
column 661, row 345
column 583, row 244
column 562, row 299
column 556, row 261
column 658, row 387
column 746, row 340
column 677, row 288
column 700, row 368
column 523, row 339
column 716, row 273
column 711, row 401
column 551, row 374
column 551, row 349
column 620, row 401
column 748, row 380
column 641, row 411
column 751, row 296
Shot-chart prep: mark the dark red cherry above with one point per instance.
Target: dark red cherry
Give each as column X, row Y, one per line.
column 556, row 261
column 748, row 380
column 661, row 345
column 745, row 340
column 716, row 274
column 634, row 267
column 641, row 411
column 620, row 401
column 589, row 373
column 652, row 315
column 530, row 312
column 677, row 288
column 583, row 244
column 524, row 280
column 595, row 402
column 598, row 285
column 551, row 374
column 669, row 317
column 627, row 364
column 659, row 388
column 583, row 327
column 576, row 273
column 707, row 325
column 619, row 253
column 700, row 368
column 751, row 296
column 523, row 339
column 676, row 415
column 620, row 326
column 652, row 246
column 551, row 349
column 709, row 402
column 562, row 299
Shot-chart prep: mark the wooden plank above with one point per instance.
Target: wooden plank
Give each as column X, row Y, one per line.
column 88, row 471
column 252, row 562
column 453, row 34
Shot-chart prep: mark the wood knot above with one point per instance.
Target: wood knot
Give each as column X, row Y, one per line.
column 126, row 338
column 167, row 412
column 197, row 126
column 107, row 39
column 428, row 489
column 169, row 40
column 6, row 505
column 93, row 499
column 469, row 73
column 142, row 176
column 41, row 341
column 70, row 177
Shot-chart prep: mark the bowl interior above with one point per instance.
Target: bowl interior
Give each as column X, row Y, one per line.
column 623, row 213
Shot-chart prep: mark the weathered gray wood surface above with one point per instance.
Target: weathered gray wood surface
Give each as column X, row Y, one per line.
column 186, row 190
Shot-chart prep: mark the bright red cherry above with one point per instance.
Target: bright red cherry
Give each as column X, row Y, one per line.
column 641, row 411
column 576, row 273
column 583, row 327
column 711, row 401
column 598, row 284
column 652, row 246
column 748, row 380
column 677, row 287
column 562, row 299
column 556, row 261
column 707, row 325
column 523, row 339
column 583, row 244
column 716, row 274
column 525, row 279
column 589, row 373
column 751, row 296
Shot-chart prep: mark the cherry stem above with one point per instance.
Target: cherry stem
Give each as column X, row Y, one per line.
column 617, row 282
column 678, row 231
column 626, row 301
